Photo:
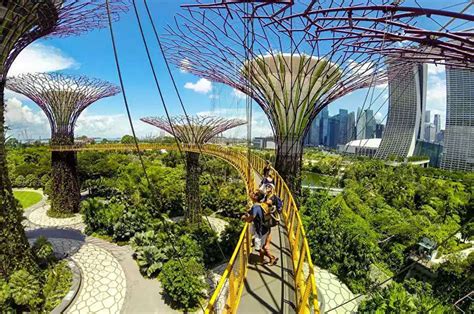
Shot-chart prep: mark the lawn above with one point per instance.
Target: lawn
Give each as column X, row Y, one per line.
column 27, row 198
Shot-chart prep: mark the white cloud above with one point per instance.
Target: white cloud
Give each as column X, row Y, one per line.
column 111, row 126
column 260, row 124
column 213, row 96
column 361, row 68
column 436, row 69
column 238, row 94
column 185, row 66
column 436, row 96
column 41, row 58
column 23, row 122
column 202, row 86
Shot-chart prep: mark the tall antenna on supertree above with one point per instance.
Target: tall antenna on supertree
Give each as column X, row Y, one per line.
column 290, row 77
column 21, row 23
column 195, row 130
column 62, row 98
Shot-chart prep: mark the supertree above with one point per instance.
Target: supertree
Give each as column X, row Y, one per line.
column 291, row 78
column 23, row 22
column 431, row 34
column 217, row 39
column 196, row 130
column 62, row 99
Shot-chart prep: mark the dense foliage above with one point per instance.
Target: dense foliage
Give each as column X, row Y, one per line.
column 378, row 221
column 124, row 208
column 185, row 288
column 39, row 291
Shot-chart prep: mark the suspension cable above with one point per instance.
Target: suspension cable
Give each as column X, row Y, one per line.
column 199, row 145
column 142, row 163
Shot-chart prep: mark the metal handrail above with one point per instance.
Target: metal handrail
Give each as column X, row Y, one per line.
column 232, row 280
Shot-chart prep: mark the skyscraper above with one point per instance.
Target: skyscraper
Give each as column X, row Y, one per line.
column 379, row 128
column 458, row 153
column 407, row 97
column 366, row 124
column 427, row 118
column 437, row 123
column 429, row 132
column 324, row 127
column 316, row 133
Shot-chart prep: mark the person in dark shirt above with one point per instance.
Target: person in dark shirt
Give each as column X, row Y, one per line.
column 267, row 169
column 266, row 180
column 261, row 231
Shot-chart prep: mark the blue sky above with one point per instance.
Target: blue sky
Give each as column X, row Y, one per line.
column 91, row 55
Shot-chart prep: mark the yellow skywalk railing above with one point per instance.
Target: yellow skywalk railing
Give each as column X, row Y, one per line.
column 306, row 292
column 227, row 294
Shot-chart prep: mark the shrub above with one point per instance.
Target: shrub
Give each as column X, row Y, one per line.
column 209, row 242
column 153, row 250
column 19, row 182
column 32, row 181
column 230, row 236
column 44, row 251
column 4, row 292
column 185, row 287
column 25, row 289
column 101, row 217
column 58, row 282
column 132, row 221
column 48, row 187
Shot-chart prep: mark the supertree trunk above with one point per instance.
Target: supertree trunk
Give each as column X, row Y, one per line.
column 289, row 162
column 193, row 199
column 15, row 251
column 66, row 194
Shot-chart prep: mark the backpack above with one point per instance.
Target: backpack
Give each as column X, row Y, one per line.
column 277, row 202
column 271, row 217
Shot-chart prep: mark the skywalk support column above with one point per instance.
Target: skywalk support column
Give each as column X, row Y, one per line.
column 66, row 194
column 193, row 201
column 196, row 131
column 62, row 98
column 289, row 162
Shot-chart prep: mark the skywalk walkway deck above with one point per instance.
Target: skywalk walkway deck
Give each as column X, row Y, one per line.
column 270, row 289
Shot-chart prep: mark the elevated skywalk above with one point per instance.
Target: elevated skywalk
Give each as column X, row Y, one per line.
column 270, row 289
column 246, row 286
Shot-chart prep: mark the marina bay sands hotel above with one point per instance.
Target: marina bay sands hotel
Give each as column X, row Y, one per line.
column 407, row 104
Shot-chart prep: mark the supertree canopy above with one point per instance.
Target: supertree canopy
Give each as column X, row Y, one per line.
column 62, row 98
column 422, row 32
column 21, row 23
column 291, row 78
column 195, row 130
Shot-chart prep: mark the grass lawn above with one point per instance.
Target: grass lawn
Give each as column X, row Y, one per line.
column 27, row 198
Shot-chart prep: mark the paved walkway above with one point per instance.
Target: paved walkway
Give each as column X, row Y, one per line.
column 111, row 280
column 270, row 289
column 332, row 292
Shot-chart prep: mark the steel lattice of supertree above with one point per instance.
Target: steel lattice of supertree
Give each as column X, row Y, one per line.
column 429, row 34
column 290, row 77
column 62, row 98
column 390, row 28
column 196, row 130
column 21, row 23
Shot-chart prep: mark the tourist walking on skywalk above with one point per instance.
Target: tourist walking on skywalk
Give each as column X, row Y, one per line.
column 256, row 216
column 267, row 169
column 266, row 180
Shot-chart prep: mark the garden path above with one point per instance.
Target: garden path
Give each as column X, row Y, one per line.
column 111, row 281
